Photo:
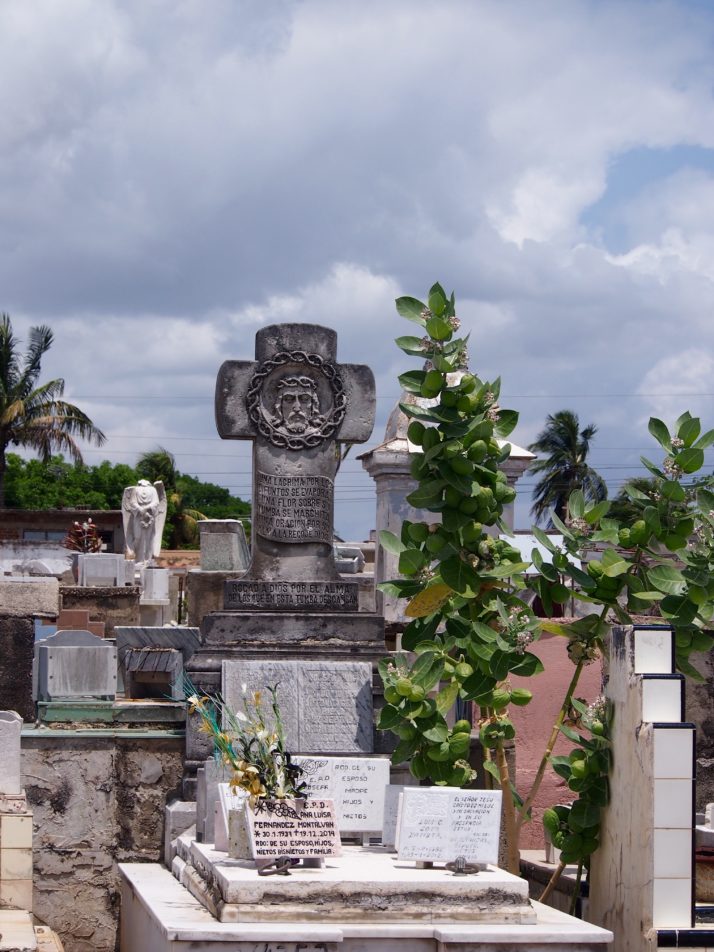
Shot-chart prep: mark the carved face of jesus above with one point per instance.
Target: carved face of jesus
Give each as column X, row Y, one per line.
column 297, row 407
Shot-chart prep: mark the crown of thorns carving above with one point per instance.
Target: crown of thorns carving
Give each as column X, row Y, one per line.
column 328, row 424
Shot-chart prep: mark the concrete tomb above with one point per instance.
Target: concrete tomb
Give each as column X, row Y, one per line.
column 223, row 545
column 103, row 569
column 74, row 664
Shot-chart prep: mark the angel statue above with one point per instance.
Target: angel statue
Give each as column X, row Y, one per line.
column 144, row 513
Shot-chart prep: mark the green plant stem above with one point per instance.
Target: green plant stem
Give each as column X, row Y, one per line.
column 528, row 803
column 509, row 813
column 552, row 882
column 576, row 890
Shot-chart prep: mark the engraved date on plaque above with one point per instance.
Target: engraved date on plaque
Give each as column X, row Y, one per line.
column 294, row 508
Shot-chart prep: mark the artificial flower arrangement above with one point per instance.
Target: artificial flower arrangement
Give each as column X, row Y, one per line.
column 251, row 743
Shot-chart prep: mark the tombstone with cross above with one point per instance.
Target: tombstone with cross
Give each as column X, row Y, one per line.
column 296, row 404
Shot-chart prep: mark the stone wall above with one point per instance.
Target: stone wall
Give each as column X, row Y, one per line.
column 17, row 642
column 98, row 800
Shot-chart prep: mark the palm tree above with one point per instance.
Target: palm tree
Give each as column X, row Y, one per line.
column 565, row 448
column 34, row 415
column 181, row 522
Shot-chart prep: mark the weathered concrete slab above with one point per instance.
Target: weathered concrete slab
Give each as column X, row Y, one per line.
column 29, row 596
column 326, row 706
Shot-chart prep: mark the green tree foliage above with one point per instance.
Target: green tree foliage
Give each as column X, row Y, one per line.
column 564, row 467
column 188, row 499
column 58, row 484
column 33, row 414
column 470, row 624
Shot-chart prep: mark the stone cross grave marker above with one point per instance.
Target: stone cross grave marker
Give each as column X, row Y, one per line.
column 297, row 404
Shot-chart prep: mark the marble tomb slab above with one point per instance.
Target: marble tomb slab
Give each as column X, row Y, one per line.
column 326, row 706
column 361, row 885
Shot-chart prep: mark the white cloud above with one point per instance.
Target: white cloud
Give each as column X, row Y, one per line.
column 173, row 175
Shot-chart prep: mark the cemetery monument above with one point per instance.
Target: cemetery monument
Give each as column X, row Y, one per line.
column 291, row 618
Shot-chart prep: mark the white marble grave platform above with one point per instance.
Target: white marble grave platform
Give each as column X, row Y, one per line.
column 157, row 913
column 362, row 884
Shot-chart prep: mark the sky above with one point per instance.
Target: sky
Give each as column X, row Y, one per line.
column 175, row 174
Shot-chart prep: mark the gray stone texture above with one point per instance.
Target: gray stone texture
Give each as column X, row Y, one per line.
column 332, row 632
column 204, row 593
column 182, row 638
column 75, row 664
column 153, row 672
column 17, row 640
column 10, row 730
column 26, row 596
column 179, row 816
column 97, row 801
column 326, row 707
column 224, row 547
column 215, row 772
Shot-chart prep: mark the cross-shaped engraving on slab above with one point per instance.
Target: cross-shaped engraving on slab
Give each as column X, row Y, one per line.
column 296, row 403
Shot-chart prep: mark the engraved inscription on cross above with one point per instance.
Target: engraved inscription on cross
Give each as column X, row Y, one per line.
column 296, row 404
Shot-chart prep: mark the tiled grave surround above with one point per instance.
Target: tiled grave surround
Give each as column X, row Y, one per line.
column 642, row 875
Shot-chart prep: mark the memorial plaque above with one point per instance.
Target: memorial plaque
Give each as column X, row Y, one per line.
column 257, row 676
column 298, row 596
column 392, row 793
column 326, row 706
column 439, row 824
column 294, row 508
column 301, row 828
column 355, row 784
column 335, row 707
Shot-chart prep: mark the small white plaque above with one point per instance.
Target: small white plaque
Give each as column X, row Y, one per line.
column 356, row 784
column 227, row 801
column 302, row 828
column 439, row 824
column 391, row 811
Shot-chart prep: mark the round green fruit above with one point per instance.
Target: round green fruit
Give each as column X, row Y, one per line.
column 417, row 693
column 464, row 670
column 462, row 466
column 391, row 695
column 403, row 687
column 500, row 698
column 478, row 451
column 459, row 743
column 521, row 696
column 462, row 727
